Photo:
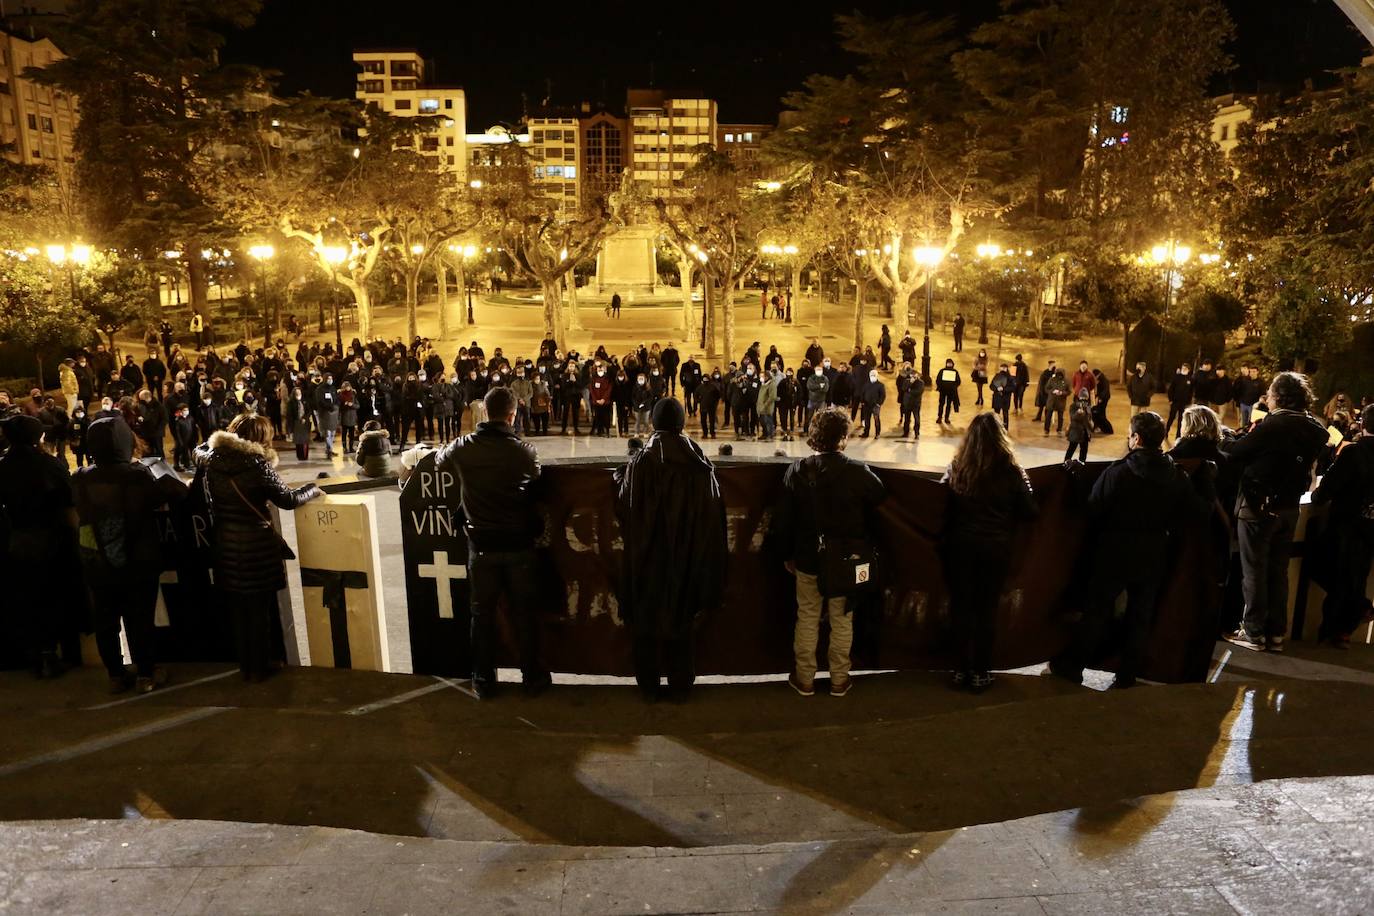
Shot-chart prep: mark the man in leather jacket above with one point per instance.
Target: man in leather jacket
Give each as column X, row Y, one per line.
column 496, row 471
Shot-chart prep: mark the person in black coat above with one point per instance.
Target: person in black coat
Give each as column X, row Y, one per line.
column 672, row 520
column 989, row 495
column 183, row 437
column 959, row 333
column 708, row 399
column 1040, row 396
column 1135, row 506
column 1274, row 460
column 911, row 388
column 238, row 465
column 1180, row 394
column 1022, row 372
column 153, row 428
column 947, row 385
column 1348, row 488
column 121, row 553
column 1003, row 387
column 873, row 397
column 690, row 376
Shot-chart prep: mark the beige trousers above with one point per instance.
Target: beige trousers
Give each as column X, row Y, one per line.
column 809, row 606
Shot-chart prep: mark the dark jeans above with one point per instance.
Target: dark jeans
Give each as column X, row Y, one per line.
column 708, row 421
column 1175, row 417
column 945, row 405
column 1005, row 413
column 490, row 575
column 975, row 573
column 1344, row 606
column 1082, row 448
column 911, row 419
column 132, row 602
column 689, row 400
column 1264, row 545
column 1142, row 593
column 253, row 613
column 1019, row 397
column 601, row 419
column 1054, row 410
column 873, row 416
column 655, row 656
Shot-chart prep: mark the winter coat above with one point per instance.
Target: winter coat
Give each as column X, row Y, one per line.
column 874, row 395
column 374, row 454
column 247, row 552
column 947, row 381
column 1276, row 458
column 1139, row 388
column 1136, row 503
column 348, row 408
column 1180, row 390
column 298, row 422
column 768, row 396
column 910, row 390
column 817, row 389
column 845, row 492
column 842, row 389
column 1080, row 421
column 1002, row 386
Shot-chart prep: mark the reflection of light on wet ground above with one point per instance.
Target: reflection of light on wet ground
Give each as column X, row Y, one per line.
column 1229, row 758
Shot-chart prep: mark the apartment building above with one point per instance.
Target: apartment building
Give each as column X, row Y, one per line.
column 395, row 80
column 742, row 143
column 605, row 151
column 36, row 122
column 666, row 131
column 556, row 154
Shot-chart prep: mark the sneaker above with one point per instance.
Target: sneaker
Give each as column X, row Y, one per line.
column 1245, row 640
column 806, row 690
column 1275, row 644
column 840, row 688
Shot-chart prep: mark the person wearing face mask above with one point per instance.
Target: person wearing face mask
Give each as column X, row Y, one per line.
column 523, row 390
column 441, row 397
column 412, row 409
column 657, row 384
column 910, row 389
column 708, row 399
column 572, row 398
column 208, row 414
column 842, row 391
column 602, row 395
column 874, row 396
column 786, row 404
column 1180, row 394
column 947, row 385
column 746, row 403
column 622, row 398
column 643, row 403
column 768, row 404
column 1003, row 386
column 691, row 377
column 979, row 374
column 326, row 404
column 153, row 427
column 541, row 401
column 817, row 394
column 298, row 422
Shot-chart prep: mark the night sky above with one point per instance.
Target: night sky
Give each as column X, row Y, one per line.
column 745, row 55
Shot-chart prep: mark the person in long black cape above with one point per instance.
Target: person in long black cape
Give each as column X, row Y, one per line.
column 672, row 522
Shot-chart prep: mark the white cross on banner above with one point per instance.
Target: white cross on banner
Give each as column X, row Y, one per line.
column 443, row 575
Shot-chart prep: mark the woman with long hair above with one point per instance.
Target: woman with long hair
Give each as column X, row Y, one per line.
column 988, row 495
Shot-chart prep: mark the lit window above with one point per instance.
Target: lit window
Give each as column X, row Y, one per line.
column 553, row 171
column 429, row 106
column 729, row 138
column 749, row 137
column 569, row 171
column 47, row 125
column 1119, row 113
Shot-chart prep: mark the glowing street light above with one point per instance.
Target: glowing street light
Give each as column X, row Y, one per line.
column 56, row 253
column 990, row 250
column 1171, row 254
column 929, row 257
column 334, row 254
column 417, row 249
column 475, row 184
column 81, row 254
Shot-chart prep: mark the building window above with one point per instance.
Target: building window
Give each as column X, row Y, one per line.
column 450, row 160
column 4, row 88
column 37, row 154
column 429, row 144
column 748, row 136
column 403, row 68
column 33, row 122
column 429, row 106
column 403, row 104
column 570, row 154
column 373, row 66
column 374, row 86
column 448, row 104
column 729, row 138
column 1226, row 131
column 404, row 85
column 569, row 171
column 448, row 141
column 47, row 125
column 537, row 136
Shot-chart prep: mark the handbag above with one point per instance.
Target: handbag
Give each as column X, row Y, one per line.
column 286, row 552
column 845, row 567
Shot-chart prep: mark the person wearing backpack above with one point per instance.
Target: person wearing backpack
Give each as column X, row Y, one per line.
column 1275, row 459
column 121, row 555
column 827, row 497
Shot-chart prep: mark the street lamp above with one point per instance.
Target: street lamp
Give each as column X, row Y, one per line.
column 1171, row 255
column 929, row 257
column 705, row 291
column 262, row 254
column 988, row 252
column 336, row 255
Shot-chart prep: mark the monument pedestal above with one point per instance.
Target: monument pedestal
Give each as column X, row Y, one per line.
column 627, row 264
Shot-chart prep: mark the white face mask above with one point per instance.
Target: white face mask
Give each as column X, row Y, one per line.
column 641, row 380
column 826, row 364
column 820, row 371
column 872, row 376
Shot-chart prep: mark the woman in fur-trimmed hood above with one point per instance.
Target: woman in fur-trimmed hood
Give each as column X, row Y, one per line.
column 236, row 470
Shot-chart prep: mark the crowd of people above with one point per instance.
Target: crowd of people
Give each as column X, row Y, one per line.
column 224, row 413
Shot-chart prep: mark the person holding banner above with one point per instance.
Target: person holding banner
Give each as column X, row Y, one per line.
column 496, row 471
column 826, row 497
column 240, row 480
column 672, row 520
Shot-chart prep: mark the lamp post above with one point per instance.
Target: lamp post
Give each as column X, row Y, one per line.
column 262, row 254
column 1171, row 255
column 928, row 257
column 988, row 252
column 468, row 252
column 705, row 292
column 336, row 255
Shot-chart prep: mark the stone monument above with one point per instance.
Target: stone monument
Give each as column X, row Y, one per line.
column 627, row 262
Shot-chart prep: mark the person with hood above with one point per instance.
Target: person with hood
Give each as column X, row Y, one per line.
column 672, row 520
column 709, row 396
column 374, row 451
column 989, row 496
column 240, row 479
column 1348, row 488
column 1274, row 459
column 825, row 496
column 768, row 403
column 36, row 507
column 947, row 385
column 817, row 394
column 1136, row 504
column 71, row 388
column 911, row 388
column 326, row 403
column 497, row 471
column 121, row 553
column 298, row 422
column 56, row 427
column 1057, row 394
column 1140, row 387
column 1080, row 426
column 1003, row 387
column 874, row 396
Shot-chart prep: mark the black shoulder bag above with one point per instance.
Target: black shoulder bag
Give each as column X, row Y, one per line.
column 845, row 567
